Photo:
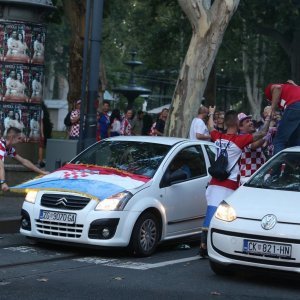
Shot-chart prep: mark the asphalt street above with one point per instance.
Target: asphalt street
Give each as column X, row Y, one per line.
column 10, row 211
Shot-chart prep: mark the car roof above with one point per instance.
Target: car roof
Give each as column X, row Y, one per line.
column 156, row 139
column 292, row 149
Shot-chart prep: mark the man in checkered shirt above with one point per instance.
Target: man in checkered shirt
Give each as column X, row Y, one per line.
column 13, row 137
column 252, row 156
column 75, row 120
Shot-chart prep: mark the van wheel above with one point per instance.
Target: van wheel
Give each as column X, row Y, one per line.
column 145, row 235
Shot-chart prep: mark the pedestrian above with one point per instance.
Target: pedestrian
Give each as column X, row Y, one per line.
column 147, row 123
column 13, row 137
column 287, row 97
column 126, row 126
column 45, row 133
column 75, row 121
column 219, row 121
column 161, row 122
column 198, row 129
column 115, row 122
column 137, row 123
column 103, row 126
column 252, row 156
column 233, row 144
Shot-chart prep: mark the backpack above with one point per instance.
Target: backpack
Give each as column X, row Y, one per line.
column 67, row 119
column 218, row 168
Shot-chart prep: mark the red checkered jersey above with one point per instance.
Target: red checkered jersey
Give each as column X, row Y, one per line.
column 11, row 152
column 125, row 127
column 234, row 151
column 75, row 128
column 251, row 160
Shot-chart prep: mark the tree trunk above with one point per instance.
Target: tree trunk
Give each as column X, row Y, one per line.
column 257, row 64
column 208, row 25
column 75, row 12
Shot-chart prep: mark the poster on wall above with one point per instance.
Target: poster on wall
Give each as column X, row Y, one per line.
column 38, row 44
column 22, row 49
column 34, row 120
column 36, row 87
column 14, row 115
column 16, row 38
column 14, row 82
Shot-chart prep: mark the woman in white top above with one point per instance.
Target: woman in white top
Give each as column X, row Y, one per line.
column 115, row 122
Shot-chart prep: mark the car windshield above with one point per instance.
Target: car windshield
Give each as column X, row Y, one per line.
column 135, row 157
column 280, row 173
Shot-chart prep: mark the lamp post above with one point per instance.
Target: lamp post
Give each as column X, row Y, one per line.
column 93, row 40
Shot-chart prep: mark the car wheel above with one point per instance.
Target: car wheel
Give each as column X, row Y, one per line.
column 145, row 235
column 220, row 269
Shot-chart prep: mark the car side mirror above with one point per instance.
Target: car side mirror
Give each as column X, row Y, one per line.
column 176, row 176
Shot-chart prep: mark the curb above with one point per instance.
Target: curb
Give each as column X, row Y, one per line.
column 10, row 225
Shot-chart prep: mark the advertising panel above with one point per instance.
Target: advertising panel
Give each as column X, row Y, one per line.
column 22, row 49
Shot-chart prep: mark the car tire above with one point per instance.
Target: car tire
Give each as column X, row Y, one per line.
column 145, row 235
column 220, row 269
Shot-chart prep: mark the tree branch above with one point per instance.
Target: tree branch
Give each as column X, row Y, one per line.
column 276, row 35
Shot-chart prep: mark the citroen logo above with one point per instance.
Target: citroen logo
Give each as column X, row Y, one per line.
column 268, row 222
column 62, row 201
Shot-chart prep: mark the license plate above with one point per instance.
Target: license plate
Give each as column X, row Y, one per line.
column 48, row 215
column 266, row 248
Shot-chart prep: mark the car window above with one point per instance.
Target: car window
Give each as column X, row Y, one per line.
column 190, row 160
column 135, row 157
column 280, row 173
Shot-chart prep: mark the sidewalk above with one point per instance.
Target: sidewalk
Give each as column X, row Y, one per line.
column 10, row 212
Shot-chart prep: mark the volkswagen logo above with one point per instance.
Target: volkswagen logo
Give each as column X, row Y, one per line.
column 62, row 201
column 268, row 222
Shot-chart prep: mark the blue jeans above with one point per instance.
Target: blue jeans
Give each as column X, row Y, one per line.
column 288, row 133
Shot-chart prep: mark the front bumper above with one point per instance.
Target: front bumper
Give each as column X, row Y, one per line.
column 226, row 244
column 87, row 230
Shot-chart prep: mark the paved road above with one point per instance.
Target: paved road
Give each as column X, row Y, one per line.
column 39, row 271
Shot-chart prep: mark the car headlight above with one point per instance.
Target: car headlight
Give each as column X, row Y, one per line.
column 31, row 196
column 115, row 202
column 225, row 212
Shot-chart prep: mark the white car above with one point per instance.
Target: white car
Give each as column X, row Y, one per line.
column 259, row 224
column 122, row 192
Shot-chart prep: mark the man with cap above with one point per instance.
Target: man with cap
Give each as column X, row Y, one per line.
column 252, row 156
column 287, row 97
column 75, row 120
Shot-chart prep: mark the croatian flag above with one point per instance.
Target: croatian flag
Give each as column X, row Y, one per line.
column 91, row 181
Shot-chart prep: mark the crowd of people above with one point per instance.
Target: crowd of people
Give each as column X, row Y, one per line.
column 248, row 143
column 116, row 123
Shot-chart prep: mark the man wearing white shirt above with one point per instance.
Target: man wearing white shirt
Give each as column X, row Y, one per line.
column 198, row 129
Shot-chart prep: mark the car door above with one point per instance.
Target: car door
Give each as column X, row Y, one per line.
column 184, row 200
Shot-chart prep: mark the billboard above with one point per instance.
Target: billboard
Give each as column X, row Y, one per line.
column 22, row 48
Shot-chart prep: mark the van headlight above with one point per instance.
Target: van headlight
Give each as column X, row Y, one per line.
column 225, row 212
column 115, row 202
column 31, row 196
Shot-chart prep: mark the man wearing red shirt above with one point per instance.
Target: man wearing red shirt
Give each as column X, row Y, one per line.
column 287, row 97
column 233, row 144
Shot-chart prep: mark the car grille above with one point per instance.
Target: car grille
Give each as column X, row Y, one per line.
column 59, row 229
column 63, row 201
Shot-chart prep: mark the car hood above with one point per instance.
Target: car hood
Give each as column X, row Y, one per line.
column 92, row 181
column 255, row 203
